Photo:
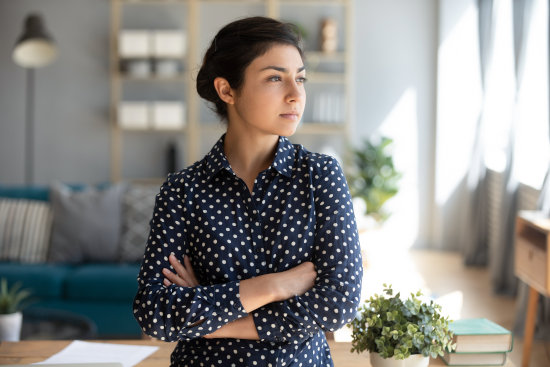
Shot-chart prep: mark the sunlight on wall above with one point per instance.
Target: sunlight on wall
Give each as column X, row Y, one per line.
column 401, row 124
column 459, row 100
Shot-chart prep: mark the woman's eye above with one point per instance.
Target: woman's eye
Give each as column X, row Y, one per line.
column 301, row 80
column 274, row 78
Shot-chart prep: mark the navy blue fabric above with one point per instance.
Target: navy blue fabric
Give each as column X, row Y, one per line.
column 300, row 210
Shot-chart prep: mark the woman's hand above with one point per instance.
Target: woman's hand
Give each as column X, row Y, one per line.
column 261, row 290
column 185, row 275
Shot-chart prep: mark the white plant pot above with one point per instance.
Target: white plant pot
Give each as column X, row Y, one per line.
column 10, row 326
column 415, row 360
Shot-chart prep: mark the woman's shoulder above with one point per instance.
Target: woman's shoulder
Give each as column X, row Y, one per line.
column 315, row 161
column 185, row 177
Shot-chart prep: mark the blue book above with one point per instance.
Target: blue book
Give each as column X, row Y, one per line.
column 476, row 359
column 480, row 336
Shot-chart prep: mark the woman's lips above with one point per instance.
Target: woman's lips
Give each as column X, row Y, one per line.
column 290, row 116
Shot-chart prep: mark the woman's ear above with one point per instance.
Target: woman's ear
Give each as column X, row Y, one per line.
column 224, row 90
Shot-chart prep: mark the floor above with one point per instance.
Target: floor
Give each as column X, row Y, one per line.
column 463, row 292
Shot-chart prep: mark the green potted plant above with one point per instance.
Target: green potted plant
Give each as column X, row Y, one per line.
column 373, row 177
column 12, row 301
column 400, row 332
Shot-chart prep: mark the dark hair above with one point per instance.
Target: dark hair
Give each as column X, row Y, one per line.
column 234, row 47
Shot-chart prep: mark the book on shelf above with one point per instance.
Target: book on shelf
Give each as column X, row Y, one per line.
column 475, row 359
column 480, row 336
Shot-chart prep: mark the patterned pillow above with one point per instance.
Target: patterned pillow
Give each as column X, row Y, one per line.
column 138, row 203
column 25, row 228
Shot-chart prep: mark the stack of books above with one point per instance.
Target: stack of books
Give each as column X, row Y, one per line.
column 479, row 342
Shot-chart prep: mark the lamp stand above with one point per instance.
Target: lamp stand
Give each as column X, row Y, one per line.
column 29, row 128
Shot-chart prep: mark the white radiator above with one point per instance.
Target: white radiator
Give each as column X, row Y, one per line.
column 527, row 200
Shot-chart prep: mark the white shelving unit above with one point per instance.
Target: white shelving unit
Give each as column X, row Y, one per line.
column 137, row 154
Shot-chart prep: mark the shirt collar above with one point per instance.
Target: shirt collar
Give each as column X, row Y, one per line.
column 283, row 162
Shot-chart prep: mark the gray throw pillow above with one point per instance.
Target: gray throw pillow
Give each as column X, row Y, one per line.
column 86, row 224
column 138, row 204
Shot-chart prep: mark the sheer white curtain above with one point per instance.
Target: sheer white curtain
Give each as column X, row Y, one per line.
column 474, row 241
column 532, row 148
column 505, row 129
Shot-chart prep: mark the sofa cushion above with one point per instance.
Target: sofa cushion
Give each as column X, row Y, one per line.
column 138, row 203
column 86, row 224
column 32, row 192
column 35, row 192
column 97, row 282
column 25, row 227
column 44, row 280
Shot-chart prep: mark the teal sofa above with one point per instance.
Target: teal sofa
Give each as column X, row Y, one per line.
column 99, row 291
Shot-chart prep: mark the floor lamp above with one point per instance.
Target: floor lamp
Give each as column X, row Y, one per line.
column 34, row 49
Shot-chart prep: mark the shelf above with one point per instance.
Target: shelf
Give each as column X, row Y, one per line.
column 320, row 128
column 335, row 78
column 153, row 130
column 313, row 2
column 326, row 72
column 163, row 79
column 151, row 2
column 319, row 56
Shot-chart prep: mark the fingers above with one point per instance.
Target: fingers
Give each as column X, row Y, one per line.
column 173, row 278
column 184, row 276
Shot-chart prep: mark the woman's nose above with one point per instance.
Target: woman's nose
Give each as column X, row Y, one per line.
column 295, row 93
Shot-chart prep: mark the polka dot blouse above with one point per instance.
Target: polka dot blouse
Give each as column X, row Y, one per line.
column 300, row 210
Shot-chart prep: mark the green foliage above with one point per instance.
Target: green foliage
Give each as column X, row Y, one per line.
column 396, row 328
column 373, row 176
column 11, row 299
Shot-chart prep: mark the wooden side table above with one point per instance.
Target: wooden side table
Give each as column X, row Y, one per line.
column 532, row 265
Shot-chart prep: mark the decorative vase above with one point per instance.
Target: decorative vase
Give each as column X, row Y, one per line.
column 414, row 360
column 10, row 326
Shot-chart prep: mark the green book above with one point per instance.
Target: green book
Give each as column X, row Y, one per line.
column 476, row 359
column 480, row 336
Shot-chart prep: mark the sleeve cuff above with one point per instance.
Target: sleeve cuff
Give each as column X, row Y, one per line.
column 267, row 324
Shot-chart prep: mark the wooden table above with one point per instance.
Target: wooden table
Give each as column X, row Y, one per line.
column 32, row 351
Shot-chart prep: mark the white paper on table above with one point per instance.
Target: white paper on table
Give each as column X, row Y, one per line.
column 91, row 352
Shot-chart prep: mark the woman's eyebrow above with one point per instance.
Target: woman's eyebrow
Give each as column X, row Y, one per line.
column 281, row 69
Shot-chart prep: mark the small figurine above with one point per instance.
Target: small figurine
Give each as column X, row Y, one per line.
column 329, row 35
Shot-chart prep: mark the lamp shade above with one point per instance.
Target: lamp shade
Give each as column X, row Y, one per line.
column 35, row 48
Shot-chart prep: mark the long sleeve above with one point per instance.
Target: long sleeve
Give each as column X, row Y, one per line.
column 178, row 313
column 334, row 299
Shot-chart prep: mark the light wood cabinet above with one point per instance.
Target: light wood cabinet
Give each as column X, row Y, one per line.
column 532, row 259
column 140, row 153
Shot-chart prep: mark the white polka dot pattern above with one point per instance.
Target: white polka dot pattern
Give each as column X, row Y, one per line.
column 300, row 210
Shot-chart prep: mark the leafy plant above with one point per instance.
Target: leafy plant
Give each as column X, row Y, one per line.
column 395, row 328
column 373, row 176
column 12, row 299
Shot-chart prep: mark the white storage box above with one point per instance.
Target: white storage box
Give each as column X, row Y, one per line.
column 133, row 115
column 134, row 43
column 169, row 43
column 168, row 115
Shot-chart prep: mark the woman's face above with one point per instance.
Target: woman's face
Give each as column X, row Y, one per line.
column 272, row 97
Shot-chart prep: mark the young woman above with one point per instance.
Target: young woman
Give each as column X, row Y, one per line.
column 264, row 229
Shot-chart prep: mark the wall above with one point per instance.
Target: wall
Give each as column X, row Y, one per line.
column 395, row 63
column 72, row 94
column 395, row 70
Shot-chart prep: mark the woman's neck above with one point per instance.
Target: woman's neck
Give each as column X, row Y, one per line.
column 249, row 152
